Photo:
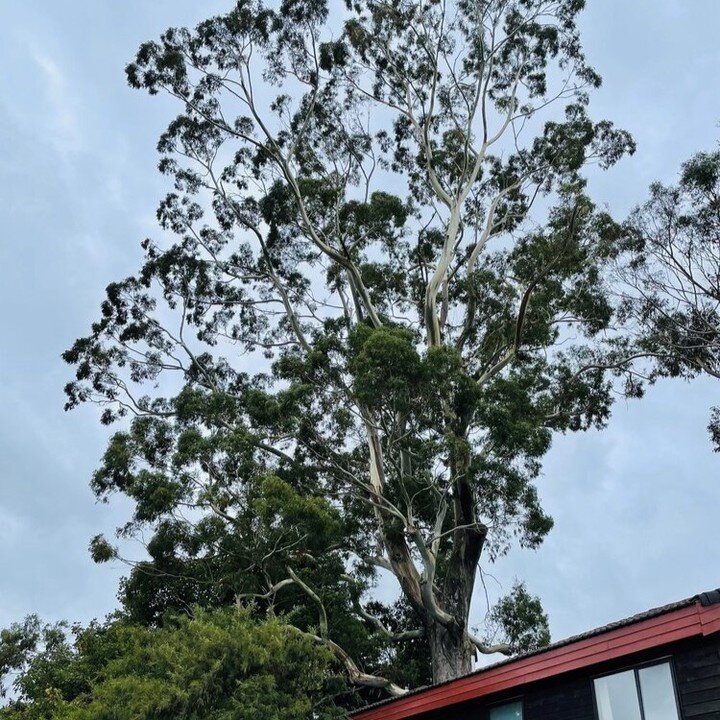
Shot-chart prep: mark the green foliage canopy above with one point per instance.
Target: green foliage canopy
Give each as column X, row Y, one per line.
column 381, row 290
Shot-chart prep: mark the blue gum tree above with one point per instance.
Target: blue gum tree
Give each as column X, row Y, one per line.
column 386, row 291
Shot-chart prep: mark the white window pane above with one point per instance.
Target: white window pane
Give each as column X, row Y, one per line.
column 617, row 697
column 511, row 711
column 658, row 696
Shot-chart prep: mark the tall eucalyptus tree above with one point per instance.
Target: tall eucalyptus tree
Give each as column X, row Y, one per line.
column 386, row 292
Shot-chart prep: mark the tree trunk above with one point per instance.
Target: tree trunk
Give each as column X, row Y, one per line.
column 451, row 652
column 450, row 649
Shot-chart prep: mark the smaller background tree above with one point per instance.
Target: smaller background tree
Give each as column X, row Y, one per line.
column 673, row 281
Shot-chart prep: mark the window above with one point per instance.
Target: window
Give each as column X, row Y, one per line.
column 509, row 711
column 645, row 693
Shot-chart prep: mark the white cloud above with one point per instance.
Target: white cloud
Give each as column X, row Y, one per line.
column 63, row 125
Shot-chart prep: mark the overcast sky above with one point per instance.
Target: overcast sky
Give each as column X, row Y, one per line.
column 636, row 506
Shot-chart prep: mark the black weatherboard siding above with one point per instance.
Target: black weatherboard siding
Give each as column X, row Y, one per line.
column 568, row 700
column 697, row 672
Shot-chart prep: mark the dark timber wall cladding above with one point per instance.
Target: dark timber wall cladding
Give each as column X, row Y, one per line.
column 566, row 701
column 697, row 672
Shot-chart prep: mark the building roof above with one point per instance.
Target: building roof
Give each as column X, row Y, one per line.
column 695, row 616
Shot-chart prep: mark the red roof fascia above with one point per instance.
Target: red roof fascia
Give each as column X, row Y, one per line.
column 691, row 621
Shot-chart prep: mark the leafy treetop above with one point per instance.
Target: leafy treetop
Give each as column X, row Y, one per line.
column 385, row 292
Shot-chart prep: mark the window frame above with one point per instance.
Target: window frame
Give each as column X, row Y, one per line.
column 666, row 660
column 507, row 701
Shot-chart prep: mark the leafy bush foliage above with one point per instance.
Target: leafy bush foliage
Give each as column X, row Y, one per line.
column 218, row 665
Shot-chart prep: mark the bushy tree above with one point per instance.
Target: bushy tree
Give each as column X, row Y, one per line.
column 219, row 665
column 386, row 291
column 673, row 277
